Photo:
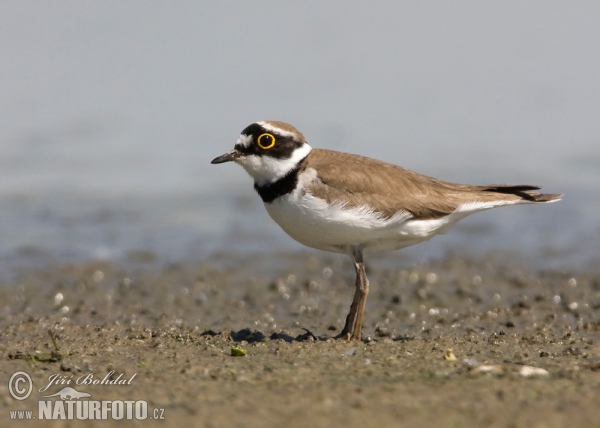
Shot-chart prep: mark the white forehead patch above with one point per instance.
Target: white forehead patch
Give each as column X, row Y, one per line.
column 268, row 127
column 244, row 140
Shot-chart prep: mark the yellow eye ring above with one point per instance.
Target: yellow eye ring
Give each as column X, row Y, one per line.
column 268, row 145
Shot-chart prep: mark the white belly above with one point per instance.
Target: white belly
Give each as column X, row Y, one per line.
column 313, row 222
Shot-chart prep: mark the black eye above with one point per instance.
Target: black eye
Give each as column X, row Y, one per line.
column 265, row 141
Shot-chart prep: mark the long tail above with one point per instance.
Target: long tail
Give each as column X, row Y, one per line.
column 524, row 191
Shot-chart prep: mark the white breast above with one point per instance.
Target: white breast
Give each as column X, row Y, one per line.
column 317, row 224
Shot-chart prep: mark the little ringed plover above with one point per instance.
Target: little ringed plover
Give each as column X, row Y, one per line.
column 351, row 204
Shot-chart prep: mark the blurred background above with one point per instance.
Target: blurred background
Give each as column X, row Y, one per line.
column 111, row 111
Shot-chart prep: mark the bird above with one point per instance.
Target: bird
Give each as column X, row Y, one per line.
column 355, row 205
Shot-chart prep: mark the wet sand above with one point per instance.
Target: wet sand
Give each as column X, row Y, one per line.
column 453, row 343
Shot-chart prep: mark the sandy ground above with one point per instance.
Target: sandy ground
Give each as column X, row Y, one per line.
column 454, row 343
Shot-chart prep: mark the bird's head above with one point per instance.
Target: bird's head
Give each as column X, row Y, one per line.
column 267, row 150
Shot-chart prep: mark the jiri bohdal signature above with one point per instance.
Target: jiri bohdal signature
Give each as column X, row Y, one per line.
column 88, row 379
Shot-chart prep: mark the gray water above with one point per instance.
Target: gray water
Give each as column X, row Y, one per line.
column 110, row 113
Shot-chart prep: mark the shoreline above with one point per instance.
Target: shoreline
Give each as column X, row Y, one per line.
column 526, row 343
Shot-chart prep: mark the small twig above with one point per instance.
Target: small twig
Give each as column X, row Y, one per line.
column 53, row 339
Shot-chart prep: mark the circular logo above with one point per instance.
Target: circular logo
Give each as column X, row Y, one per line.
column 20, row 385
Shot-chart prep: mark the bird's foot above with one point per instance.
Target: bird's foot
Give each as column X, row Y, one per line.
column 349, row 336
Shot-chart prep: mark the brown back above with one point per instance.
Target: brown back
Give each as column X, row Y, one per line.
column 389, row 189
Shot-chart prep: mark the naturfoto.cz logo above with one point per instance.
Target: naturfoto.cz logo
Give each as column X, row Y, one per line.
column 70, row 403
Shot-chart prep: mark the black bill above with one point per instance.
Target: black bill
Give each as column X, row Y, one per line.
column 227, row 157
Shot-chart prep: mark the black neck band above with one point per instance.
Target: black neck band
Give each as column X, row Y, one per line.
column 286, row 184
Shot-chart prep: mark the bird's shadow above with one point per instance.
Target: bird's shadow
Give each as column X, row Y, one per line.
column 250, row 336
